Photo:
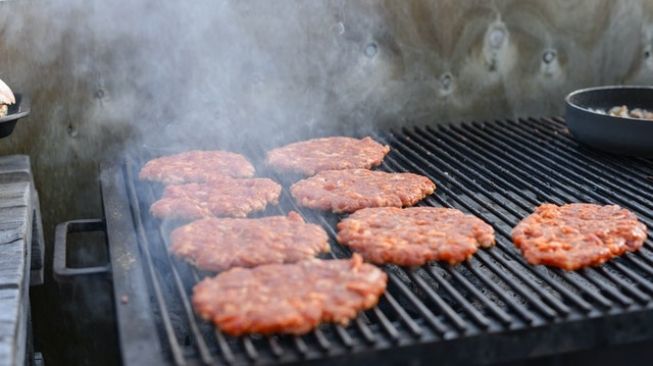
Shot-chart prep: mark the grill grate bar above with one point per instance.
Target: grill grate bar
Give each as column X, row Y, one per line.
column 634, row 291
column 438, row 301
column 476, row 315
column 250, row 350
column 424, row 311
column 519, row 308
column 322, row 340
column 500, row 314
column 300, row 345
column 275, row 347
column 403, row 315
column 385, row 323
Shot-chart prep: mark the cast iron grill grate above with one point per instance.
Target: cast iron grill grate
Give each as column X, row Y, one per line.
column 494, row 307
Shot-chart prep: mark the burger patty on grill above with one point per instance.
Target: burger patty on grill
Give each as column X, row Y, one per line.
column 196, row 167
column 414, row 236
column 214, row 244
column 352, row 189
column 577, row 235
column 289, row 298
column 223, row 197
column 329, row 153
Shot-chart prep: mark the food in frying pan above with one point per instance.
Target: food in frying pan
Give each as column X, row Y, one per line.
column 624, row 111
column 329, row 153
column 220, row 197
column 352, row 189
column 197, row 167
column 289, row 298
column 578, row 235
column 7, row 98
column 214, row 244
column 414, row 236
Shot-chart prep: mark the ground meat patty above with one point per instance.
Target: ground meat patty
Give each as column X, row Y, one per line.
column 196, row 167
column 353, row 189
column 289, row 298
column 329, row 153
column 217, row 244
column 414, row 236
column 224, row 197
column 577, row 235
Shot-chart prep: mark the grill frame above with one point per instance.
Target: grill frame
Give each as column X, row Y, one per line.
column 475, row 327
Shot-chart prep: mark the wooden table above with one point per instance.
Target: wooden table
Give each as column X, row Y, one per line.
column 21, row 256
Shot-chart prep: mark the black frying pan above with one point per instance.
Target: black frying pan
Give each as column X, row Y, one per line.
column 15, row 111
column 621, row 135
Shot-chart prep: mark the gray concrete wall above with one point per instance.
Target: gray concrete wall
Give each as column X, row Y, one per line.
column 105, row 76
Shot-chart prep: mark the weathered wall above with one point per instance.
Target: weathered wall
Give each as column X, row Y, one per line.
column 106, row 76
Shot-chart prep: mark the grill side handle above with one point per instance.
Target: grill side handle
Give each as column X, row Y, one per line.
column 61, row 271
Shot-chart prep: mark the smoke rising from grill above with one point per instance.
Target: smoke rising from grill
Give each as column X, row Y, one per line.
column 211, row 73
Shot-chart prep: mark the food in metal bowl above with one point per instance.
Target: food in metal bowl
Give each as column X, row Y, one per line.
column 7, row 98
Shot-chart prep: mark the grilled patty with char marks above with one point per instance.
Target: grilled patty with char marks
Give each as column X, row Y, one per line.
column 578, row 235
column 328, row 153
column 223, row 197
column 414, row 236
column 354, row 189
column 289, row 298
column 214, row 244
column 196, row 167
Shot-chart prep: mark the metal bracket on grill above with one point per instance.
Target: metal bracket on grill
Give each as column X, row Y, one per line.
column 61, row 271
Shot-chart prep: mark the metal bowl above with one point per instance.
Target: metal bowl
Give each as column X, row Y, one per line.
column 16, row 111
column 620, row 135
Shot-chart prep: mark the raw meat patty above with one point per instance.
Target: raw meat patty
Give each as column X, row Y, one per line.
column 577, row 235
column 289, row 298
column 196, row 167
column 224, row 197
column 353, row 189
column 214, row 244
column 329, row 153
column 414, row 236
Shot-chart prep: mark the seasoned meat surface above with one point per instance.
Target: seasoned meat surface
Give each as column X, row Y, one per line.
column 329, row 153
column 214, row 244
column 413, row 236
column 578, row 235
column 223, row 197
column 289, row 298
column 196, row 167
column 352, row 189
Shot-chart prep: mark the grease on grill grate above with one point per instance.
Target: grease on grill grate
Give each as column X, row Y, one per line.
column 498, row 171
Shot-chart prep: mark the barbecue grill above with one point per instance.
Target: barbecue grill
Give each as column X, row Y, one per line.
column 492, row 308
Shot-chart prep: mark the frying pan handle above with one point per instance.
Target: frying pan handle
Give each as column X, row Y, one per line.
column 61, row 271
